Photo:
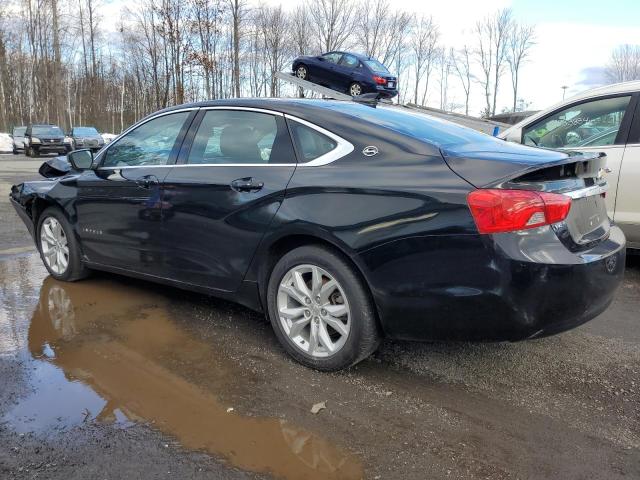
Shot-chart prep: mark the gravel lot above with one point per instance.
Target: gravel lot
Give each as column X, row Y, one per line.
column 117, row 378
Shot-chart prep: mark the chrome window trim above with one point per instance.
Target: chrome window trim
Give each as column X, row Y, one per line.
column 343, row 147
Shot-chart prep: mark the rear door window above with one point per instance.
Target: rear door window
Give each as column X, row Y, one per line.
column 241, row 137
column 593, row 123
column 310, row 143
column 349, row 61
column 333, row 57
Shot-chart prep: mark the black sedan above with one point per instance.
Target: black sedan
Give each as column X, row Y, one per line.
column 347, row 72
column 86, row 137
column 342, row 222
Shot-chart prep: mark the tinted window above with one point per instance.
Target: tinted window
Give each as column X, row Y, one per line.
column 19, row 131
column 332, row 57
column 149, row 144
column 310, row 143
column 46, row 130
column 84, row 131
column 349, row 61
column 594, row 124
column 376, row 66
column 237, row 137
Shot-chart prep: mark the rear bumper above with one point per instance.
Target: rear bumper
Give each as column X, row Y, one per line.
column 469, row 287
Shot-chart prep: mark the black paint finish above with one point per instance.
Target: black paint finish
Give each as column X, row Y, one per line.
column 401, row 217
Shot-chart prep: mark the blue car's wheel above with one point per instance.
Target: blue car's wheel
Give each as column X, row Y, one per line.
column 355, row 89
column 302, row 73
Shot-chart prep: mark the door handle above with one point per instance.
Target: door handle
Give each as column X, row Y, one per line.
column 147, row 181
column 246, row 184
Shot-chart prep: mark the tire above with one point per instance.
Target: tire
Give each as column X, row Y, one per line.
column 302, row 72
column 75, row 269
column 355, row 87
column 362, row 336
column 15, row 151
column 27, row 151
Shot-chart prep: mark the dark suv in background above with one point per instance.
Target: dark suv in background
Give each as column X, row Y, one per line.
column 86, row 137
column 41, row 138
column 347, row 72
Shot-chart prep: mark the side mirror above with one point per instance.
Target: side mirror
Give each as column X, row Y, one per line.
column 81, row 159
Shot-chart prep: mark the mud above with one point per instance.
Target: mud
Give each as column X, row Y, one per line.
column 115, row 378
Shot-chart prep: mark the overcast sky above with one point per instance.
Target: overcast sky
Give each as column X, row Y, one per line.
column 574, row 40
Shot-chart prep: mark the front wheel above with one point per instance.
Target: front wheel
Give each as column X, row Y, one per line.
column 320, row 309
column 355, row 89
column 58, row 246
column 302, row 73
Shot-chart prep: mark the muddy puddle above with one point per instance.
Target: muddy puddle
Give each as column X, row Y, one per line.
column 104, row 351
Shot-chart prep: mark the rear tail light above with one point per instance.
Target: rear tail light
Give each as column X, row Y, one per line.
column 496, row 210
column 379, row 80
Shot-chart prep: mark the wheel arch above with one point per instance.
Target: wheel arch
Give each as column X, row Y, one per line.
column 276, row 247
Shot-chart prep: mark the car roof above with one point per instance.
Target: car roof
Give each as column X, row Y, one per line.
column 613, row 89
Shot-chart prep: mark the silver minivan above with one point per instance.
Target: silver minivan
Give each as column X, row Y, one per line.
column 605, row 119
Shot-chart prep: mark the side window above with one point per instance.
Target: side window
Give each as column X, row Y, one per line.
column 589, row 124
column 310, row 143
column 349, row 61
column 239, row 136
column 149, row 144
column 333, row 57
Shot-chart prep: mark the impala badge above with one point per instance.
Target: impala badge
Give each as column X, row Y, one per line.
column 370, row 151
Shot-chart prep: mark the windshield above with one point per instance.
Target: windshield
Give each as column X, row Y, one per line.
column 85, row 131
column 19, row 131
column 376, row 66
column 46, row 130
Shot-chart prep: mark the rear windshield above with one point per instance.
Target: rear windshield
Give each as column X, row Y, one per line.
column 46, row 130
column 376, row 66
column 19, row 131
column 423, row 127
column 84, row 131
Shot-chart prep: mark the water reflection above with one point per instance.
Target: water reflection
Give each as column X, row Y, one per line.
column 110, row 352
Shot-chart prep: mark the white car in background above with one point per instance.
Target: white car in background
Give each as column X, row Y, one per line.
column 605, row 119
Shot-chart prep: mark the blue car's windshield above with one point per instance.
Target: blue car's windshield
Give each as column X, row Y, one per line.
column 376, row 66
column 84, row 131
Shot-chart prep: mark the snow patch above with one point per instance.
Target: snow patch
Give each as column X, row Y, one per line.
column 107, row 137
column 6, row 143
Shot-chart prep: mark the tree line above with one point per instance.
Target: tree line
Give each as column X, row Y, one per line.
column 66, row 62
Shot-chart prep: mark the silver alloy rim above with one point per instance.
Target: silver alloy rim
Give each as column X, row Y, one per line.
column 301, row 73
column 53, row 243
column 313, row 311
column 355, row 90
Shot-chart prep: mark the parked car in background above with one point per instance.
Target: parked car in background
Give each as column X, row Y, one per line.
column 86, row 137
column 605, row 119
column 347, row 72
column 18, row 139
column 340, row 221
column 45, row 138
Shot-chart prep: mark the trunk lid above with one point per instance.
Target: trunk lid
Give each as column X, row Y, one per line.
column 577, row 175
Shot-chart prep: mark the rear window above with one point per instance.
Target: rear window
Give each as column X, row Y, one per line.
column 376, row 66
column 423, row 127
column 310, row 143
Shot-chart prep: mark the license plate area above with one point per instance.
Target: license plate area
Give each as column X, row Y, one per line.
column 587, row 220
column 391, row 84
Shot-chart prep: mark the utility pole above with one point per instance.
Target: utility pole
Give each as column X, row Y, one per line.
column 564, row 90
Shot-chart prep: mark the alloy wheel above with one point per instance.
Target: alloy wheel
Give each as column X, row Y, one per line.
column 313, row 310
column 54, row 246
column 301, row 72
column 355, row 89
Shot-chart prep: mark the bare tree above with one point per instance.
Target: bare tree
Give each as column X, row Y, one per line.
column 238, row 8
column 624, row 64
column 371, row 25
column 521, row 40
column 423, row 45
column 332, row 23
column 462, row 65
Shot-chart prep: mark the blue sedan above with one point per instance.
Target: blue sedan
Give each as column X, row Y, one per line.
column 347, row 72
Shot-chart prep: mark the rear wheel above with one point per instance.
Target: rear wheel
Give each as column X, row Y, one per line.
column 320, row 309
column 355, row 89
column 302, row 73
column 58, row 246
